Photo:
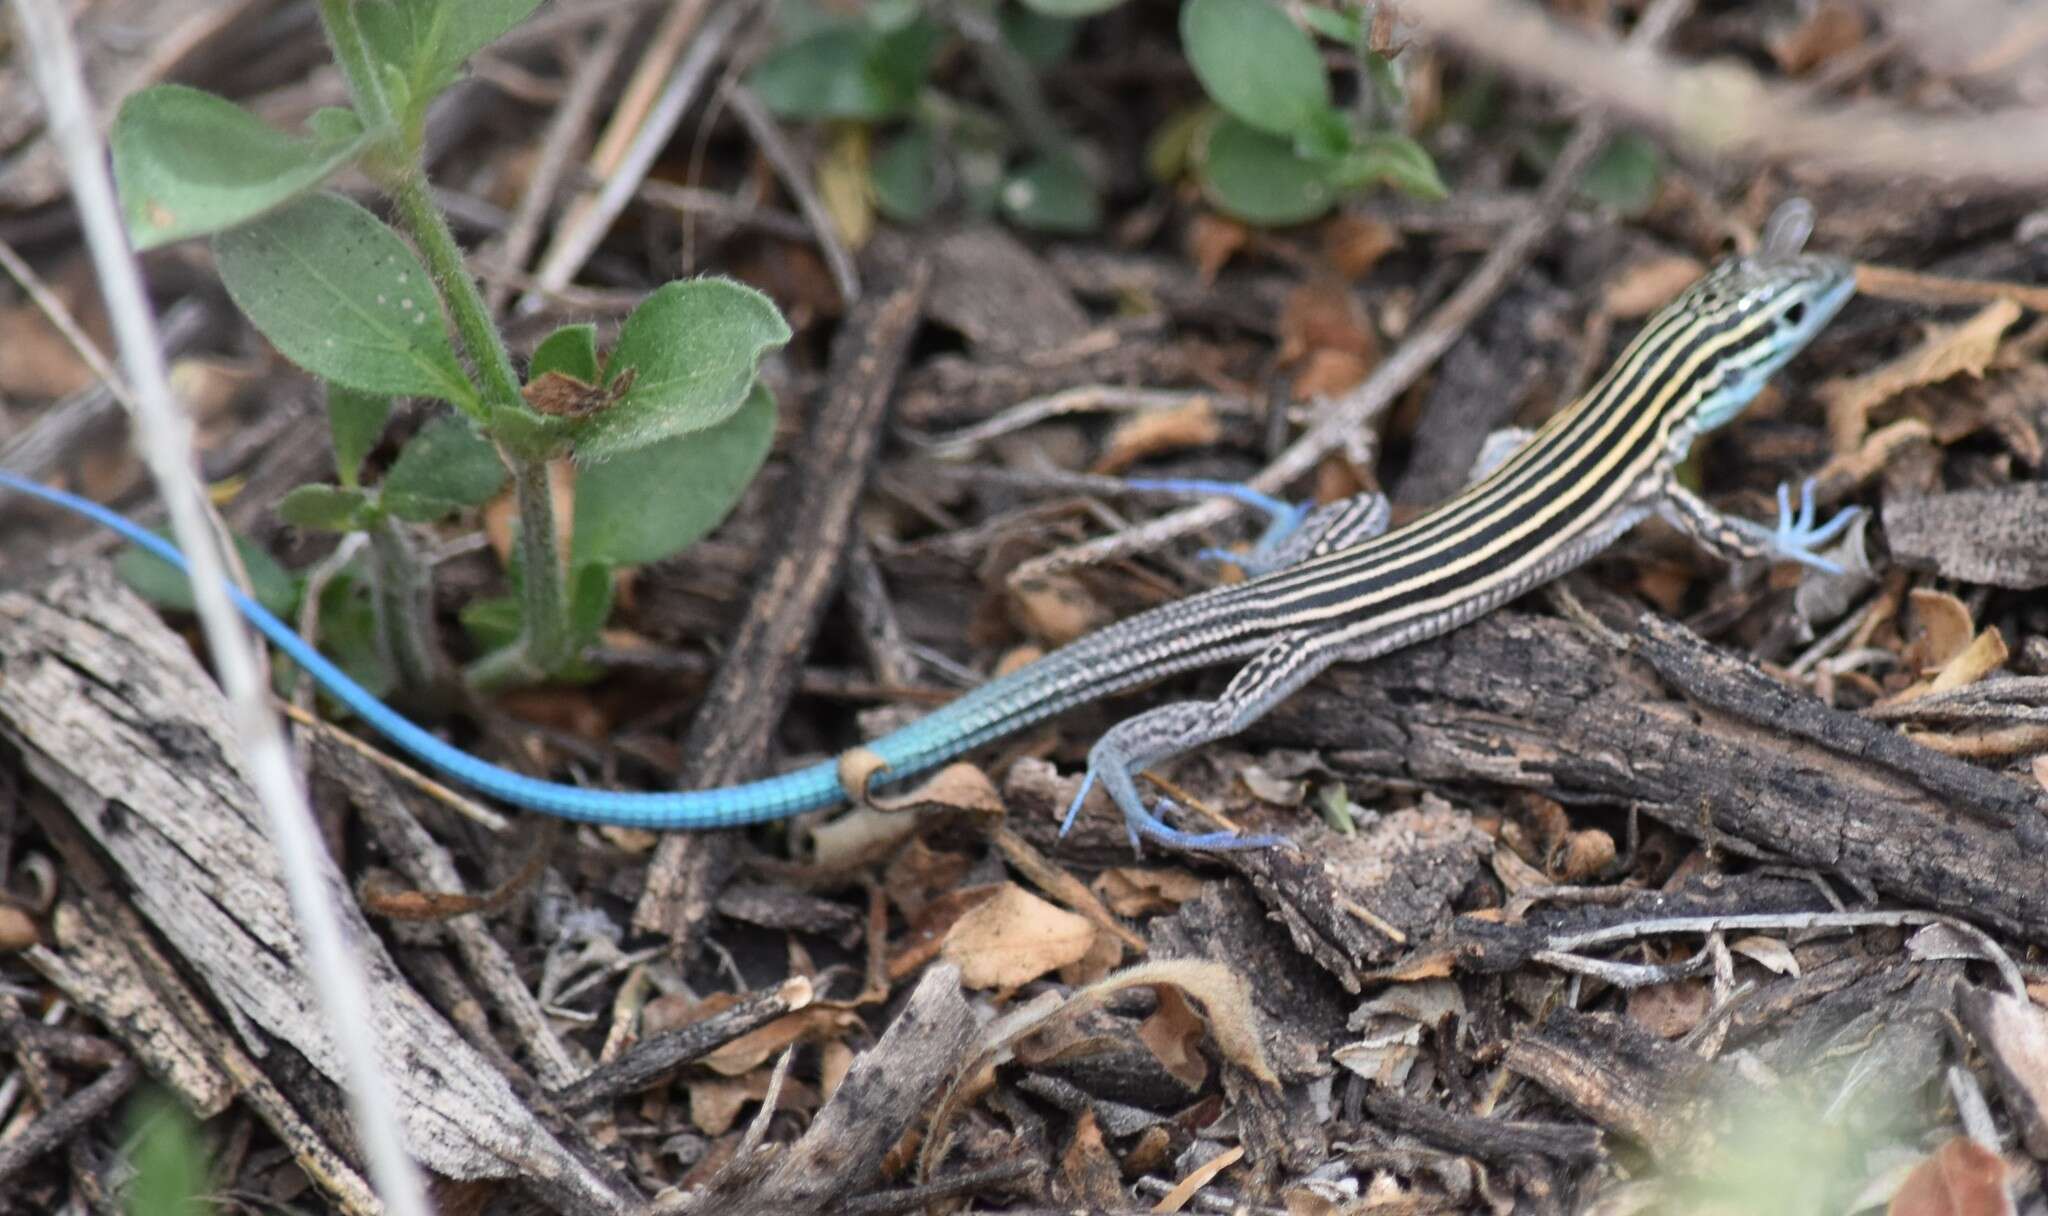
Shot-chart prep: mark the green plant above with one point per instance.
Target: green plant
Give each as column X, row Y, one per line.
column 168, row 1156
column 666, row 431
column 874, row 68
column 1280, row 151
column 1271, row 147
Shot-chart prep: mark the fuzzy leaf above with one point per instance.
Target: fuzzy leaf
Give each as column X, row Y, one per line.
column 354, row 422
column 338, row 293
column 570, row 350
column 849, row 70
column 324, row 508
column 189, row 163
column 655, row 502
column 691, row 350
column 1051, row 195
column 1255, row 63
column 446, row 467
column 1259, row 177
column 166, row 586
column 426, row 41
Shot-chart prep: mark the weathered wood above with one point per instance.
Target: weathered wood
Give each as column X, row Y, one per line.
column 886, row 1089
column 112, row 712
column 653, row 1058
column 1533, row 703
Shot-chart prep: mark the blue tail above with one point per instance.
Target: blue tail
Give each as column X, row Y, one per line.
column 917, row 747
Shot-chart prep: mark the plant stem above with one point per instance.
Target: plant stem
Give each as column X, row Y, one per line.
column 545, row 645
column 402, row 597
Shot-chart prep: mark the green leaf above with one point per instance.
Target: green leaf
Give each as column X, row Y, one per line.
column 1394, row 159
column 189, row 163
column 168, row 1157
column 1624, row 176
column 1071, row 8
column 425, row 42
column 1051, row 194
column 1336, row 25
column 590, row 600
column 325, row 508
column 446, row 467
column 164, row 585
column 355, row 421
column 348, row 633
column 847, row 71
column 691, row 349
column 1259, row 177
column 905, row 176
column 1039, row 39
column 653, row 503
column 492, row 624
column 338, row 293
column 570, row 350
column 1255, row 63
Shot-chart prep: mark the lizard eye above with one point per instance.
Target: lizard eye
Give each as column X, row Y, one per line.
column 1795, row 314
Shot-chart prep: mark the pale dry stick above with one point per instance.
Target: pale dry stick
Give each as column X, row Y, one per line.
column 1341, row 420
column 796, row 179
column 468, row 808
column 1080, row 399
column 591, row 71
column 1571, row 943
column 1912, row 287
column 164, row 433
column 633, row 140
column 1723, row 109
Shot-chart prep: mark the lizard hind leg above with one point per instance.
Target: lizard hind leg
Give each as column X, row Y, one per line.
column 1136, row 743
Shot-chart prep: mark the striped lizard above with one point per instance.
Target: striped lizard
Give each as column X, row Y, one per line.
column 1329, row 585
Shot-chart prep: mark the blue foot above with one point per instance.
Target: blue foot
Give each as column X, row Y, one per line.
column 1140, row 824
column 1796, row 537
column 1283, row 518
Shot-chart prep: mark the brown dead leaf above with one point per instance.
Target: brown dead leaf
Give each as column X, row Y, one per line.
column 1947, row 350
column 17, row 928
column 919, row 874
column 1326, row 373
column 1212, row 240
column 929, row 927
column 1187, row 1188
column 1159, row 432
column 1584, row 855
column 1832, row 29
column 1056, row 607
column 1324, row 315
column 835, row 1060
column 1132, row 892
column 1770, row 952
column 1104, row 957
column 560, row 395
column 1643, row 287
column 1089, row 1169
column 1174, row 1034
column 2040, row 767
column 1961, row 1178
column 1985, row 655
column 1354, row 244
column 1672, row 1010
column 1013, row 938
column 1515, row 874
column 716, row 1102
column 1941, row 629
column 2012, row 1031
column 816, row 1024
